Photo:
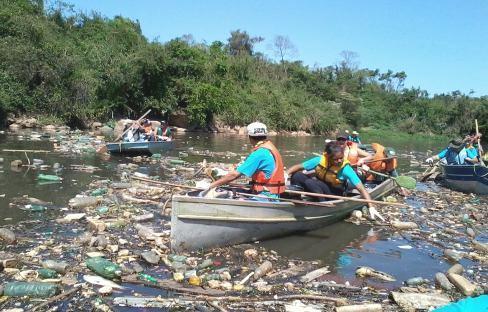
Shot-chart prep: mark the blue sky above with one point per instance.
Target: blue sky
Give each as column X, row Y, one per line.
column 441, row 45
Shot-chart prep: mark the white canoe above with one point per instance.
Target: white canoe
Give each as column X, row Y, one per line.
column 202, row 223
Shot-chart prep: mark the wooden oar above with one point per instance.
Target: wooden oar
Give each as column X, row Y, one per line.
column 137, row 121
column 301, row 202
column 361, row 200
column 430, row 171
column 480, row 148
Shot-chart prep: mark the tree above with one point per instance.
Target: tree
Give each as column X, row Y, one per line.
column 240, row 43
column 283, row 47
column 349, row 60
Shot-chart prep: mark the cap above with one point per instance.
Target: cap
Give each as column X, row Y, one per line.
column 341, row 137
column 257, row 129
column 355, row 132
column 456, row 143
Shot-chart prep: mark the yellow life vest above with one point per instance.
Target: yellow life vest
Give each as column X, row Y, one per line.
column 328, row 173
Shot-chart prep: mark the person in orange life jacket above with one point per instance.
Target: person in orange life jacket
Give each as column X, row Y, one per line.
column 332, row 173
column 264, row 166
column 355, row 155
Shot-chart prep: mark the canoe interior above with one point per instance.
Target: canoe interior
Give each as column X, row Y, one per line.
column 201, row 223
column 140, row 148
column 466, row 178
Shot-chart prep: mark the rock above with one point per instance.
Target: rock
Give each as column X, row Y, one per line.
column 16, row 163
column 106, row 130
column 96, row 226
column 7, row 235
column 461, row 283
column 470, row 232
column 367, row 307
column 226, row 285
column 49, row 128
column 418, row 301
column 357, row 214
column 137, row 267
column 298, row 306
column 96, row 125
column 456, row 269
column 415, row 281
column 151, row 257
column 314, row 275
column 14, row 127
column 443, row 281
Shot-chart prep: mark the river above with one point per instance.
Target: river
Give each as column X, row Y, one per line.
column 342, row 246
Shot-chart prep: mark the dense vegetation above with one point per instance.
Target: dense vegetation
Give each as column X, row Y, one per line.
column 73, row 67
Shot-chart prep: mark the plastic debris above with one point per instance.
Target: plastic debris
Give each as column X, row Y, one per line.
column 104, row 268
column 31, row 289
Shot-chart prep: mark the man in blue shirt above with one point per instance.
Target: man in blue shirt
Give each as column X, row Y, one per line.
column 264, row 165
column 454, row 154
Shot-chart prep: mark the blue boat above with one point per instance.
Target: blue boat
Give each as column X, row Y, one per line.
column 140, row 148
column 466, row 178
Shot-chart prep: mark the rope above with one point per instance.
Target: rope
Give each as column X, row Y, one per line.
column 476, row 174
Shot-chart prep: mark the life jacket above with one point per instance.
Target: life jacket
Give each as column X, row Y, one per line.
column 276, row 183
column 352, row 153
column 384, row 165
column 328, row 172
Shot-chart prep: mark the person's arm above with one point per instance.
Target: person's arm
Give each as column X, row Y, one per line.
column 439, row 156
column 231, row 176
column 294, row 168
column 364, row 157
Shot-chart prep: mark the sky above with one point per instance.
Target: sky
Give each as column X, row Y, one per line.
column 441, row 45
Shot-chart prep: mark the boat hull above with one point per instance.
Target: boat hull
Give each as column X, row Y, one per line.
column 201, row 223
column 140, row 148
column 466, row 178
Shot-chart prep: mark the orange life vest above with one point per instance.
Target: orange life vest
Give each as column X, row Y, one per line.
column 384, row 165
column 328, row 172
column 352, row 153
column 276, row 183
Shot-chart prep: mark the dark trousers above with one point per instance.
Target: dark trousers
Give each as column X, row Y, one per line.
column 313, row 185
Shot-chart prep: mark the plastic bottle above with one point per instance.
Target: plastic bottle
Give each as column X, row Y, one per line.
column 48, row 177
column 98, row 192
column 103, row 267
column 262, row 270
column 36, row 208
column 31, row 289
column 47, row 273
column 57, row 266
column 205, row 264
column 83, row 202
column 147, row 278
column 177, row 258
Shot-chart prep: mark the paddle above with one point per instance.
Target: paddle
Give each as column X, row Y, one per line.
column 480, row 148
column 402, row 181
column 137, row 121
column 301, row 202
column 429, row 171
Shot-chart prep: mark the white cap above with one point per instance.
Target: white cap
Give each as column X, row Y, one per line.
column 328, row 141
column 346, row 131
column 257, row 129
column 355, row 132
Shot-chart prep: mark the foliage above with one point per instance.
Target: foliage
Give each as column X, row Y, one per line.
column 74, row 67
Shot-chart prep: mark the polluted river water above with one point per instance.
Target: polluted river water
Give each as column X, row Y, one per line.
column 342, row 247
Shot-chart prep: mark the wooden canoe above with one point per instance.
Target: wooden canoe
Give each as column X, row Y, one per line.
column 202, row 223
column 140, row 148
column 466, row 178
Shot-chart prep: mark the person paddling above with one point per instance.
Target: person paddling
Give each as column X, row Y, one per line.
column 332, row 175
column 454, row 154
column 264, row 166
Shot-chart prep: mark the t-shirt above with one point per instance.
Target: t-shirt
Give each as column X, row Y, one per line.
column 459, row 159
column 472, row 152
column 259, row 160
column 346, row 173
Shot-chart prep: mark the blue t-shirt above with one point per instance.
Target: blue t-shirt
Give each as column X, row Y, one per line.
column 259, row 160
column 458, row 159
column 347, row 173
column 472, row 152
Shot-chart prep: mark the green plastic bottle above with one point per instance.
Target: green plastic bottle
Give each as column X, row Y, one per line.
column 48, row 177
column 47, row 273
column 147, row 278
column 99, row 192
column 31, row 289
column 104, row 267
